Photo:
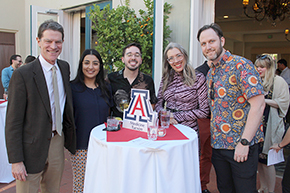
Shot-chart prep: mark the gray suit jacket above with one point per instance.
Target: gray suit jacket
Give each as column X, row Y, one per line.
column 29, row 120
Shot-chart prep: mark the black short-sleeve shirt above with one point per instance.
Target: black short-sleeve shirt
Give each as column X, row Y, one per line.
column 121, row 88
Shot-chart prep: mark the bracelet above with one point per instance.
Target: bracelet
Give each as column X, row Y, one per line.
column 279, row 146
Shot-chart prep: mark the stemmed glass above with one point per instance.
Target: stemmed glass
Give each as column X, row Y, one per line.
column 123, row 104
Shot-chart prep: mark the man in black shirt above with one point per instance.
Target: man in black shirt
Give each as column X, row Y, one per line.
column 204, row 142
column 204, row 68
column 130, row 77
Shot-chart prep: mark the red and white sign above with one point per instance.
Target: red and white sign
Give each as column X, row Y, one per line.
column 139, row 111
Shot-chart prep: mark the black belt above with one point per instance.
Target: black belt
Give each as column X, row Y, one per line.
column 54, row 133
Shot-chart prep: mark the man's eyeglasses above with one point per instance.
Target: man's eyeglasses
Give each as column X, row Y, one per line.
column 177, row 58
column 137, row 55
column 20, row 61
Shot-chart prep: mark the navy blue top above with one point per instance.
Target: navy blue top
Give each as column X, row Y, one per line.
column 90, row 110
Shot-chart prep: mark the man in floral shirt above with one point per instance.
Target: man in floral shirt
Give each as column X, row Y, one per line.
column 237, row 105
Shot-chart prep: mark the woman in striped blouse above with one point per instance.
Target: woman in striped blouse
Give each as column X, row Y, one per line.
column 182, row 88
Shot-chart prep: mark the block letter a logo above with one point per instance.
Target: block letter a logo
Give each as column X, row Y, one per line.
column 139, row 108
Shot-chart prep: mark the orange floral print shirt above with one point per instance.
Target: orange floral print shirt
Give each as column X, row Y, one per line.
column 231, row 82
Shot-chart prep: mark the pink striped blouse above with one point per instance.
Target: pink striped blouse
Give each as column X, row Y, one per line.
column 190, row 103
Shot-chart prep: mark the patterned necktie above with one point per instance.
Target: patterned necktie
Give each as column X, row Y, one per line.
column 57, row 114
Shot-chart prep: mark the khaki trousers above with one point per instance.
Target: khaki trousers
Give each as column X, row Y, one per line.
column 50, row 178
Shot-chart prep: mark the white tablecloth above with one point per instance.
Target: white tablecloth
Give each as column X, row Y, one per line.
column 124, row 167
column 5, row 167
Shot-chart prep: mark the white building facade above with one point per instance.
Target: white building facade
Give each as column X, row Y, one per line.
column 21, row 18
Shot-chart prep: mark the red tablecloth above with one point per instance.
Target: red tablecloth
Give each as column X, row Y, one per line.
column 124, row 135
column 2, row 102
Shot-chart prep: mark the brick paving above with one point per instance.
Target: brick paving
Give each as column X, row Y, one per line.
column 66, row 183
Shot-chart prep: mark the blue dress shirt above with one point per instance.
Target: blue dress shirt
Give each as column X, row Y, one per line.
column 5, row 77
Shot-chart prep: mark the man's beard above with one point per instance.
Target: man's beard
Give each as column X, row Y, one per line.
column 217, row 54
column 132, row 68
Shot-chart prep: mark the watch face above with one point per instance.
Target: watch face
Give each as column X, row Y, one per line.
column 245, row 142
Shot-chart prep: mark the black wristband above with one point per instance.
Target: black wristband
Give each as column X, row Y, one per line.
column 279, row 146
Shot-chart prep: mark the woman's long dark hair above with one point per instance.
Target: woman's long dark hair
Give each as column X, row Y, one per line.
column 100, row 80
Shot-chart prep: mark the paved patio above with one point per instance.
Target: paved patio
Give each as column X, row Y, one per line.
column 66, row 184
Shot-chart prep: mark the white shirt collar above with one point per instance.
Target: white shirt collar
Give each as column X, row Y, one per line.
column 285, row 69
column 45, row 65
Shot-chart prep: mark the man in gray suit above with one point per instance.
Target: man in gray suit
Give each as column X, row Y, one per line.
column 39, row 120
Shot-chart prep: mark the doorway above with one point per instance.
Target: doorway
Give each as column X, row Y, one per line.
column 7, row 49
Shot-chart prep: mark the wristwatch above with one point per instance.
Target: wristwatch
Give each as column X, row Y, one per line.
column 245, row 142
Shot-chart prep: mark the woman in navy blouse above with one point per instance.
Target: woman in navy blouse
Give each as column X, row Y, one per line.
column 92, row 99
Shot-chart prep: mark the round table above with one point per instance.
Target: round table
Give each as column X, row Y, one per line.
column 142, row 166
column 5, row 170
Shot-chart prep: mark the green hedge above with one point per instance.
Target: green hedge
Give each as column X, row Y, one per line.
column 115, row 28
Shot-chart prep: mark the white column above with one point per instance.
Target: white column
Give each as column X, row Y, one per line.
column 158, row 42
column 202, row 13
column 72, row 41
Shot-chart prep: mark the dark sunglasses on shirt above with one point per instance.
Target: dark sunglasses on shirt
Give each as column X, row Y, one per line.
column 211, row 91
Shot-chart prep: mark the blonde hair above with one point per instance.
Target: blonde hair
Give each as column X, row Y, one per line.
column 266, row 61
column 167, row 71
